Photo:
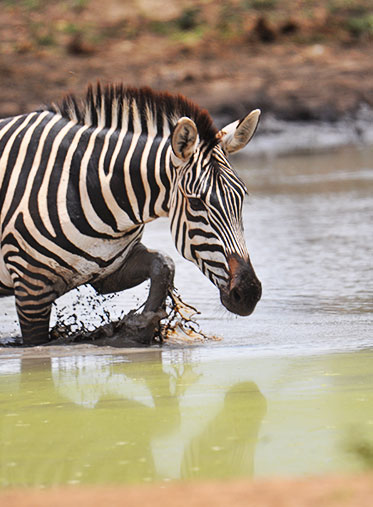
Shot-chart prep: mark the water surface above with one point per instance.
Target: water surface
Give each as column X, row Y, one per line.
column 287, row 391
column 178, row 414
column 308, row 225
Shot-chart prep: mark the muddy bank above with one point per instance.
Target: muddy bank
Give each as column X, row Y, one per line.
column 311, row 96
column 279, row 137
column 289, row 82
column 297, row 62
column 321, row 491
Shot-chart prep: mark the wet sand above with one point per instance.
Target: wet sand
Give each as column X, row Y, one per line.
column 321, row 492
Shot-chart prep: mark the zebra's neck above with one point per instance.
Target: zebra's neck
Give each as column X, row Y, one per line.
column 132, row 171
column 128, row 154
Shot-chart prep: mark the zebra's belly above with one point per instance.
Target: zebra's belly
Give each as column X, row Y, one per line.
column 78, row 269
column 110, row 258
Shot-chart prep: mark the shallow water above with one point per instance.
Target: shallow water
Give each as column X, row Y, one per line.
column 179, row 414
column 287, row 391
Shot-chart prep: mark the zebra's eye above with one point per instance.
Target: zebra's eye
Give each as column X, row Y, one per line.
column 196, row 204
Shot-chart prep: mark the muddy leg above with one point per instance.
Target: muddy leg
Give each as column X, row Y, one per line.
column 143, row 264
column 34, row 321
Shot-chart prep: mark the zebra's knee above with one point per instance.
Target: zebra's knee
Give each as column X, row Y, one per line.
column 162, row 270
column 162, row 267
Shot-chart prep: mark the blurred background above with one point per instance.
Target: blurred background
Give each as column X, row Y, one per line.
column 296, row 60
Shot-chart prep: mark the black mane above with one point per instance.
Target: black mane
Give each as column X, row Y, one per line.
column 103, row 106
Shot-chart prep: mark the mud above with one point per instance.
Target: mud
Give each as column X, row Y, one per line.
column 136, row 330
column 174, row 324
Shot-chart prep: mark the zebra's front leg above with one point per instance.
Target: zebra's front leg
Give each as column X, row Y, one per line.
column 143, row 264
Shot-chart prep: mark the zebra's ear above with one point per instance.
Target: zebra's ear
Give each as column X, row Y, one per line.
column 184, row 138
column 236, row 135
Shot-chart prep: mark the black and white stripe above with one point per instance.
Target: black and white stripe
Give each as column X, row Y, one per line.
column 206, row 214
column 78, row 183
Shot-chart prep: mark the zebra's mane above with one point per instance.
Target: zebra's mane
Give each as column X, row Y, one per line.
column 110, row 106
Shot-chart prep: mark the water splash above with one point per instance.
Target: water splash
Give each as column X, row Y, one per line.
column 178, row 325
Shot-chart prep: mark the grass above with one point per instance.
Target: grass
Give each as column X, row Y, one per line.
column 361, row 26
column 49, row 24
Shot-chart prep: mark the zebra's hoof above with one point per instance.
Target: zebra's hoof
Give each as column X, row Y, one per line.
column 143, row 327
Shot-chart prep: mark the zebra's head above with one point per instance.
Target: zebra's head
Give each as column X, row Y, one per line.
column 206, row 209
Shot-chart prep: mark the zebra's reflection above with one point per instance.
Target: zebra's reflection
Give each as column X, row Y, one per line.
column 141, row 420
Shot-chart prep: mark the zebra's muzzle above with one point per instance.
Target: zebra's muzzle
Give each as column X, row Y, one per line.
column 244, row 289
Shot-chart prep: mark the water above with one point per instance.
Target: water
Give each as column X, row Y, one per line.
column 178, row 414
column 287, row 391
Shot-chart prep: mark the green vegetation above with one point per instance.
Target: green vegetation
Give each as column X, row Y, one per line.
column 189, row 27
column 42, row 34
column 69, row 24
column 261, row 5
column 361, row 26
column 270, row 20
column 189, row 19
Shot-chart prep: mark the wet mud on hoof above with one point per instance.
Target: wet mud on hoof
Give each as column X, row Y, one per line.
column 173, row 325
column 132, row 330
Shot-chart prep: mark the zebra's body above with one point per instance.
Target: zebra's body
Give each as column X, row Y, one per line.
column 78, row 184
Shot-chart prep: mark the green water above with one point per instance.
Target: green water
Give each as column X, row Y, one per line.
column 176, row 414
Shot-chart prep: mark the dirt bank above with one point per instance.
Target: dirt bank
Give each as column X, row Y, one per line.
column 296, row 62
column 320, row 492
column 317, row 82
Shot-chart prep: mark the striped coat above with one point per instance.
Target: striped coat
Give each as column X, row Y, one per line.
column 78, row 182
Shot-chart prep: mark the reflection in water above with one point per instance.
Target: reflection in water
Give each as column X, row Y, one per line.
column 102, row 419
column 226, row 447
column 176, row 414
column 361, row 447
column 85, row 380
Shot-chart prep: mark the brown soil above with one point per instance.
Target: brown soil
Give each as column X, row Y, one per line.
column 276, row 66
column 320, row 492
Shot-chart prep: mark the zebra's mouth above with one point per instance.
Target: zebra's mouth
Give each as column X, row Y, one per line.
column 244, row 289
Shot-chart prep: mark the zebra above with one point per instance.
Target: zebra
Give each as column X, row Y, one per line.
column 80, row 179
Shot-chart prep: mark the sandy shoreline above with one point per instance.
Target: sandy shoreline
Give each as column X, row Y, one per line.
column 348, row 491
